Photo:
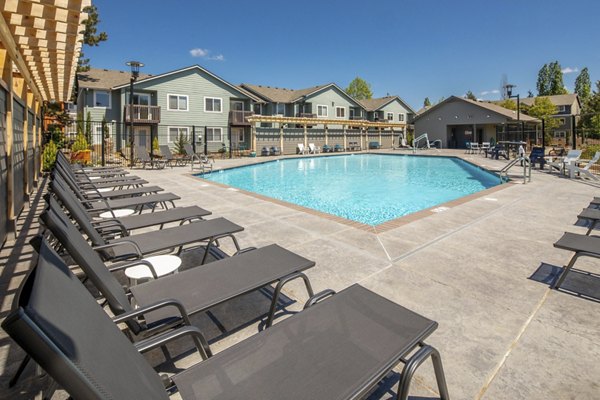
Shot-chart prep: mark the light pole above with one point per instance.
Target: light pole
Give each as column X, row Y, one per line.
column 509, row 89
column 135, row 73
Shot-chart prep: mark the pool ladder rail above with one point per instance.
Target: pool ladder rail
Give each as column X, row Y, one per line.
column 525, row 161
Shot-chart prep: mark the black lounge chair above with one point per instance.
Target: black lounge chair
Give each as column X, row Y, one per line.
column 181, row 161
column 129, row 181
column 108, row 204
column 90, row 171
column 355, row 335
column 201, row 159
column 143, row 244
column 194, row 289
column 146, row 159
column 582, row 245
column 592, row 215
column 132, row 222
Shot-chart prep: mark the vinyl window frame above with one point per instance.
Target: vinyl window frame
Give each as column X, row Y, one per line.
column 220, row 105
column 343, row 116
column 319, row 107
column 187, row 102
column 179, row 128
column 214, row 128
column 109, row 99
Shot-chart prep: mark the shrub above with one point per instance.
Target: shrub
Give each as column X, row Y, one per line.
column 589, row 151
column 80, row 144
column 182, row 140
column 49, row 156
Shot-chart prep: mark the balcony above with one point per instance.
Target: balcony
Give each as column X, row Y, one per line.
column 306, row 115
column 239, row 117
column 142, row 114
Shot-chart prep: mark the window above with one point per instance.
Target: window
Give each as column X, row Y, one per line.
column 257, row 108
column 561, row 108
column 213, row 104
column 561, row 121
column 352, row 113
column 178, row 102
column 322, row 111
column 175, row 131
column 401, row 117
column 101, row 98
column 390, row 116
column 560, row 134
column 99, row 135
column 280, row 109
column 142, row 99
column 214, row 135
column 340, row 112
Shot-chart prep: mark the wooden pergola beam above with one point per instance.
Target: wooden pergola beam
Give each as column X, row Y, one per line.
column 324, row 121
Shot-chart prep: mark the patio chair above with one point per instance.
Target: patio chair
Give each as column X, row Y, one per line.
column 467, row 147
column 403, row 143
column 485, row 146
column 537, row 157
column 159, row 241
column 585, row 170
column 300, row 149
column 98, row 182
column 374, row 146
column 205, row 164
column 144, row 157
column 79, row 169
column 181, row 161
column 561, row 162
column 274, row 151
column 581, row 245
column 196, row 289
column 265, row 151
column 338, row 147
column 356, row 328
column 131, row 222
column 313, row 149
column 327, row 148
column 592, row 215
column 474, row 148
column 99, row 205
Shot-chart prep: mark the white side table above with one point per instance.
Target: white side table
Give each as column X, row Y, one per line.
column 101, row 190
column 163, row 265
column 123, row 212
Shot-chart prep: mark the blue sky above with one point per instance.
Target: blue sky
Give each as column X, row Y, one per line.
column 410, row 48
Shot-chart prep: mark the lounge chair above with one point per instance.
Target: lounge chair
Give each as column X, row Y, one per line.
column 560, row 163
column 338, row 147
column 403, row 143
column 202, row 160
column 496, row 152
column 138, row 203
column 144, row 157
column 274, row 151
column 592, row 215
column 355, row 335
column 327, row 148
column 195, row 289
column 300, row 149
column 132, row 222
column 86, row 182
column 585, row 170
column 537, row 156
column 144, row 244
column 264, row 151
column 582, row 245
column 312, row 149
column 374, row 146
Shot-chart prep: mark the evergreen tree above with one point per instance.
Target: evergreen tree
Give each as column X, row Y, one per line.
column 508, row 103
column 180, row 143
column 583, row 86
column 543, row 81
column 427, row 102
column 359, row 89
column 556, row 79
column 469, row 95
column 88, row 127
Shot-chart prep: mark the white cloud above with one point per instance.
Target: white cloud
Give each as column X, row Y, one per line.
column 486, row 92
column 570, row 70
column 198, row 52
column 205, row 53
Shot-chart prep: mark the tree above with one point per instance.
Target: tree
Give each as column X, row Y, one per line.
column 542, row 108
column 426, row 102
column 543, row 81
column 556, row 79
column 508, row 103
column 359, row 89
column 88, row 127
column 469, row 95
column 180, row 143
column 583, row 86
column 57, row 114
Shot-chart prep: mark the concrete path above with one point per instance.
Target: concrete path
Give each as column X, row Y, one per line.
column 480, row 269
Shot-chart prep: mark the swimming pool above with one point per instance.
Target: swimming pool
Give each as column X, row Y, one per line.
column 367, row 188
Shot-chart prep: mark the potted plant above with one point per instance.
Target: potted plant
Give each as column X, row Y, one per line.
column 80, row 150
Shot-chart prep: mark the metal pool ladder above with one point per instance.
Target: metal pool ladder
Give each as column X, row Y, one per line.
column 526, row 169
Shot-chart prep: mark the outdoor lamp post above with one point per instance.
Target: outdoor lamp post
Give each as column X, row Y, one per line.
column 509, row 89
column 135, row 73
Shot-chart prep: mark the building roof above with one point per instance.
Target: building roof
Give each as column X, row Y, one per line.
column 281, row 95
column 376, row 104
column 510, row 114
column 112, row 79
column 105, row 78
column 557, row 100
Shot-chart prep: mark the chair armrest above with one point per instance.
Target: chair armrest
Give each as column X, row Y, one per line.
column 191, row 219
column 153, row 307
column 113, row 223
column 314, row 299
column 246, row 250
column 162, row 339
column 121, row 243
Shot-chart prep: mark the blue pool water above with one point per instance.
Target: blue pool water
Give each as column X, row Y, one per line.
column 367, row 188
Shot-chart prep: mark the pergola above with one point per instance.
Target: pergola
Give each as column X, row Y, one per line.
column 361, row 124
column 40, row 43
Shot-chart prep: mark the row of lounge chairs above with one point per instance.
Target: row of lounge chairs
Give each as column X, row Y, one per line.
column 340, row 346
column 582, row 245
column 167, row 159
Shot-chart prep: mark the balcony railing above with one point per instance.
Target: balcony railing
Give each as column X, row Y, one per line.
column 239, row 117
column 142, row 114
column 306, row 115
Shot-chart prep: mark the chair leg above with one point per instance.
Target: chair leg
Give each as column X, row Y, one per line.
column 13, row 381
column 415, row 362
column 565, row 271
column 277, row 293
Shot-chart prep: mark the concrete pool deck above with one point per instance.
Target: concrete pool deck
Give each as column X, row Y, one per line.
column 480, row 268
